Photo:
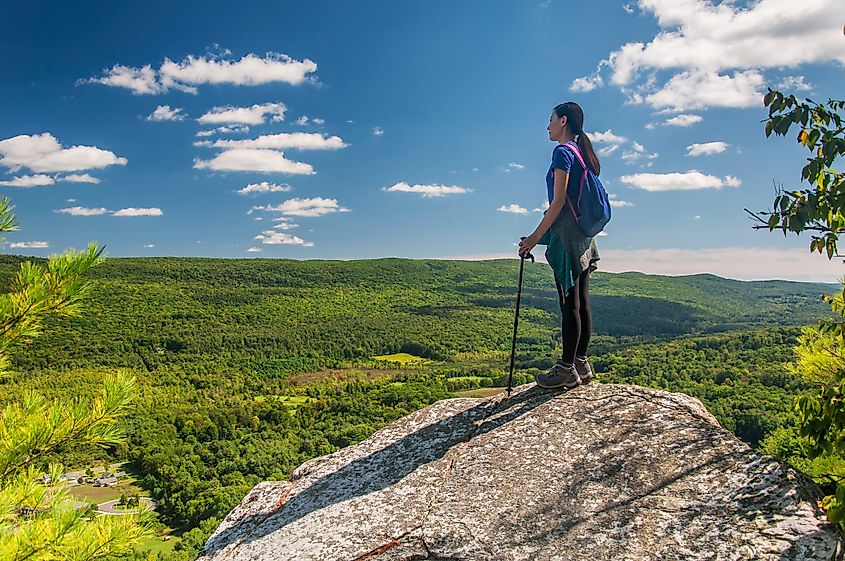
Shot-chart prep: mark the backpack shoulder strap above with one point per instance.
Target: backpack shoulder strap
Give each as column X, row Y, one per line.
column 574, row 148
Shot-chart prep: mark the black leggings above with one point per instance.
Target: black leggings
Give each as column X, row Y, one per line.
column 576, row 319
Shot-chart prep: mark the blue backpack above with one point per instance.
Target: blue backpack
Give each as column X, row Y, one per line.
column 589, row 203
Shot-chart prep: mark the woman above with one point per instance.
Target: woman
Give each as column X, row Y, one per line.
column 570, row 253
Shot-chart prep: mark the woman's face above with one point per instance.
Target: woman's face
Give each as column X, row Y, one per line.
column 556, row 126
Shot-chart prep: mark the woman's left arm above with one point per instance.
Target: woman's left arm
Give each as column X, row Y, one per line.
column 557, row 204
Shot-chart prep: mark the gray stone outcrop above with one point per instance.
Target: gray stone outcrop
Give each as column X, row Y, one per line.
column 604, row 471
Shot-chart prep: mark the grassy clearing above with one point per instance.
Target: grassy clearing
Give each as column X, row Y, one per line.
column 157, row 544
column 403, row 358
column 97, row 495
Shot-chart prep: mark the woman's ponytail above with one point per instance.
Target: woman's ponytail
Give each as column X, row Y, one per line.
column 575, row 118
column 587, row 151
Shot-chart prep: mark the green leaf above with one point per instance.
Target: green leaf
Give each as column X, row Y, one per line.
column 767, row 99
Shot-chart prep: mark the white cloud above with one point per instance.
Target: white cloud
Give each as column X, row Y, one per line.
column 543, row 208
column 628, row 8
column 378, row 131
column 42, row 152
column 253, row 115
column 701, row 42
column 707, row 148
column 243, row 159
column 318, row 121
column 302, row 121
column 676, row 181
column 586, row 83
column 607, row 136
column 637, row 153
column 138, row 212
column 82, row 211
column 515, row 165
column 263, row 187
column 29, row 245
column 316, row 206
column 618, row 203
column 284, row 140
column 683, row 120
column 794, row 83
column 254, row 250
column 732, row 181
column 165, row 113
column 427, row 190
column 149, row 245
column 225, row 129
column 193, row 71
column 608, row 150
column 139, row 80
column 697, row 90
column 38, row 180
column 71, row 200
column 80, row 178
column 280, row 238
column 614, row 141
column 514, row 209
column 233, row 129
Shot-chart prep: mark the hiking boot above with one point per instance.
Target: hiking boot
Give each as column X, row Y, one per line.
column 560, row 376
column 585, row 371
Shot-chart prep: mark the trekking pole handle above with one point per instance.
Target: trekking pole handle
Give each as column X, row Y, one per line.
column 527, row 254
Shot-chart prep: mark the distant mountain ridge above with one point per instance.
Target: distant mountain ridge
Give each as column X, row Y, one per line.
column 304, row 314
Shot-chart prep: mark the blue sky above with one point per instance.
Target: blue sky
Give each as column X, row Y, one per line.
column 373, row 129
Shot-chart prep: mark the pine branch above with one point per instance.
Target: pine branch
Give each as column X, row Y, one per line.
column 114, row 400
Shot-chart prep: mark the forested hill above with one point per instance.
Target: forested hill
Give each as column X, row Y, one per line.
column 280, row 315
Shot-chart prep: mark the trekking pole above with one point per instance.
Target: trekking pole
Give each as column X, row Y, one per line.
column 516, row 315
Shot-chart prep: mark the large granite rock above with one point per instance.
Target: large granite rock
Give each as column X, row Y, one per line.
column 599, row 472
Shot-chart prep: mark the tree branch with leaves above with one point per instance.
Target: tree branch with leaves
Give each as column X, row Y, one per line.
column 818, row 207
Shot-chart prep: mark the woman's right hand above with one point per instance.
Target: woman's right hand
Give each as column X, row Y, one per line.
column 526, row 245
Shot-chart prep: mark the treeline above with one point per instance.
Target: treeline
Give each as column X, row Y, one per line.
column 279, row 317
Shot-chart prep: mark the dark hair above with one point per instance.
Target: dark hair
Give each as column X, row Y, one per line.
column 575, row 118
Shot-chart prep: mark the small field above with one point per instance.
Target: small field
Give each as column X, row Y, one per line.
column 157, row 544
column 91, row 494
column 468, row 378
column 403, row 358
